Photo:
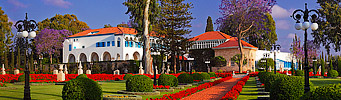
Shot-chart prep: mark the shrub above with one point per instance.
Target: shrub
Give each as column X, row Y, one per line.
column 220, row 71
column 127, row 76
column 82, row 88
column 329, row 92
column 197, row 76
column 299, row 73
column 168, row 80
column 212, row 74
column 332, row 73
column 139, row 83
column 288, row 88
column 82, row 76
column 271, row 79
column 185, row 78
column 205, row 76
column 22, row 78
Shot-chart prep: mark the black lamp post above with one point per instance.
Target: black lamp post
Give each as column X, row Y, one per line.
column 304, row 27
column 266, row 56
column 26, row 29
column 275, row 48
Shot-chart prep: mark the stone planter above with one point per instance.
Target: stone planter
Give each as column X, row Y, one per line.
column 139, row 93
column 164, row 90
column 187, row 85
column 122, row 97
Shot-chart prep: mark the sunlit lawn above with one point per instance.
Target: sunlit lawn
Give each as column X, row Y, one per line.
column 250, row 91
column 54, row 92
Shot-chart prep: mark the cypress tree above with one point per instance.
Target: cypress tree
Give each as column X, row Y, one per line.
column 339, row 65
column 322, row 67
column 209, row 24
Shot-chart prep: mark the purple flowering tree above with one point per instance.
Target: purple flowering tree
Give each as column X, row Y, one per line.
column 239, row 16
column 298, row 52
column 50, row 41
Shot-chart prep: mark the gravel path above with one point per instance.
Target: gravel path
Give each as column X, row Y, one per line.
column 215, row 92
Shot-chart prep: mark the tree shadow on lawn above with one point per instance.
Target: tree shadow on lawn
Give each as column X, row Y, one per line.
column 11, row 97
column 111, row 92
column 36, row 93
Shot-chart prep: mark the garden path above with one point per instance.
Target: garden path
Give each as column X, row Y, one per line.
column 215, row 92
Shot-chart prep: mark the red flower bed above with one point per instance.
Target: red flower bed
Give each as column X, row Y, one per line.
column 9, row 78
column 253, row 74
column 43, row 77
column 160, row 87
column 187, row 92
column 235, row 90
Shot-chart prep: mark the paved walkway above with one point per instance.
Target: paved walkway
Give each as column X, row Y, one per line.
column 215, row 92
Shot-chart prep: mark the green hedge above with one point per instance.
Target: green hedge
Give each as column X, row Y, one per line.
column 288, row 88
column 82, row 88
column 82, row 76
column 206, row 76
column 127, row 76
column 21, row 78
column 197, row 76
column 139, row 83
column 329, row 92
column 332, row 73
column 168, row 80
column 212, row 74
column 299, row 73
column 185, row 78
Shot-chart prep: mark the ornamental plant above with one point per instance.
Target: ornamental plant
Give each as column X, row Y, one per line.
column 22, row 78
column 332, row 73
column 127, row 76
column 329, row 92
column 139, row 83
column 288, row 87
column 185, row 78
column 197, row 76
column 82, row 88
column 168, row 80
column 205, row 76
column 299, row 73
column 212, row 74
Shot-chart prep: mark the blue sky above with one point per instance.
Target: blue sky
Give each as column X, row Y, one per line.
column 97, row 13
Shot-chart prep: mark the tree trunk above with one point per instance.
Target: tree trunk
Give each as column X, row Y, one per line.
column 241, row 54
column 146, row 46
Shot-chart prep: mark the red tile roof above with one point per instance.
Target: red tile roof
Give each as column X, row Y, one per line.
column 115, row 30
column 212, row 35
column 233, row 42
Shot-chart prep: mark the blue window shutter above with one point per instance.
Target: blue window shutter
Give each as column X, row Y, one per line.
column 118, row 43
column 113, row 43
column 108, row 43
column 70, row 47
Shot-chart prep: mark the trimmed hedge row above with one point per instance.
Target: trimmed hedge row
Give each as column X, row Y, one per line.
column 283, row 87
column 329, row 92
column 206, row 76
column 185, row 78
column 139, row 83
column 197, row 76
column 168, row 80
column 212, row 74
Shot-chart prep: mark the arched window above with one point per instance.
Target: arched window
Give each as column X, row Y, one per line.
column 118, row 42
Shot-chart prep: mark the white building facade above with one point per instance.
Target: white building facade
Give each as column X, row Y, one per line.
column 283, row 59
column 106, row 44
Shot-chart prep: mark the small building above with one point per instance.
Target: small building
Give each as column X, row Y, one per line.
column 283, row 59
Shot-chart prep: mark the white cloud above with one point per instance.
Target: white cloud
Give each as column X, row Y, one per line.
column 279, row 12
column 17, row 3
column 291, row 35
column 58, row 3
column 282, row 24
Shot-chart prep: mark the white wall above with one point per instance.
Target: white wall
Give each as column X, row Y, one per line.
column 280, row 56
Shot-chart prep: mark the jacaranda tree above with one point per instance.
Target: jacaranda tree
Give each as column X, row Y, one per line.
column 240, row 16
column 49, row 41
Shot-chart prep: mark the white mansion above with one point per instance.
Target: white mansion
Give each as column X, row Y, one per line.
column 105, row 44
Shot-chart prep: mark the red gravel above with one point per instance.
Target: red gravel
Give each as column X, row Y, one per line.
column 215, row 92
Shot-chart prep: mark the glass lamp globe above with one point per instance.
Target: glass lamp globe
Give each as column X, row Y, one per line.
column 19, row 34
column 305, row 25
column 298, row 26
column 32, row 34
column 314, row 26
column 24, row 34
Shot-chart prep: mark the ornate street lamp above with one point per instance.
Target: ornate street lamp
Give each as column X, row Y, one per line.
column 304, row 27
column 266, row 56
column 275, row 48
column 26, row 29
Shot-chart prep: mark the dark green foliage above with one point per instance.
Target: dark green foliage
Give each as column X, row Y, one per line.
column 212, row 74
column 209, row 24
column 339, row 65
column 332, row 73
column 168, row 80
column 218, row 61
column 185, row 78
column 329, row 92
column 287, row 88
column 82, row 76
column 139, row 83
column 206, row 76
column 82, row 88
column 127, row 76
column 270, row 62
column 22, row 78
column 322, row 67
column 197, row 76
column 299, row 73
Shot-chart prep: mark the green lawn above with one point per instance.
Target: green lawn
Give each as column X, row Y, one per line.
column 324, row 81
column 249, row 90
column 54, row 92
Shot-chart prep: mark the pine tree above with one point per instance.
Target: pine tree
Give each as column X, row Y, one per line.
column 174, row 23
column 209, row 24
